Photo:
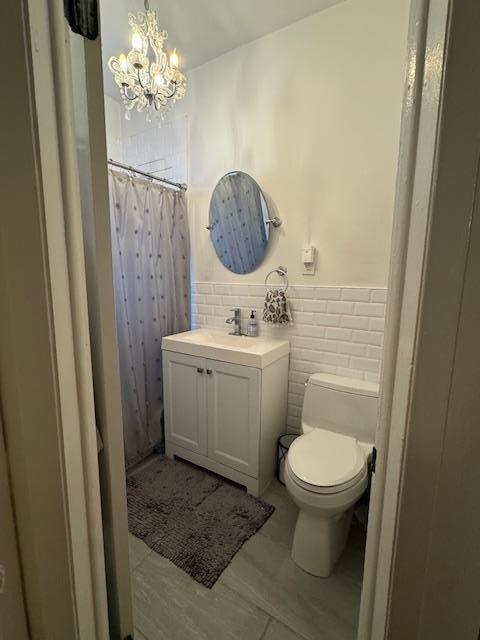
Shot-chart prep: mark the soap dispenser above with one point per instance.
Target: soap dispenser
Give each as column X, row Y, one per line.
column 252, row 327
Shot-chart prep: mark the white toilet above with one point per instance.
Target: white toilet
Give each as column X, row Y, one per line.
column 326, row 470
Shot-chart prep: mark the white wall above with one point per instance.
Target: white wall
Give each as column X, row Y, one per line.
column 114, row 128
column 159, row 149
column 313, row 113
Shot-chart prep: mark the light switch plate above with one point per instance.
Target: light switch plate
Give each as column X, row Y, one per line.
column 308, row 259
column 308, row 255
column 309, row 269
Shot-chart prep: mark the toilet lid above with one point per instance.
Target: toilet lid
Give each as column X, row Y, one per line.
column 326, row 459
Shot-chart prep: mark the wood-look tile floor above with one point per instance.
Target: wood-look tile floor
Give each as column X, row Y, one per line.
column 262, row 595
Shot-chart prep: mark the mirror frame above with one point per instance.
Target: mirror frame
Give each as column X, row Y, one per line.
column 267, row 221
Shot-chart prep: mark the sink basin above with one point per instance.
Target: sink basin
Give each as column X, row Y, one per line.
column 218, row 338
column 253, row 352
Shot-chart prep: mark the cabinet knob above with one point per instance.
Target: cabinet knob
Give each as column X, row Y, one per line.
column 199, row 370
column 209, row 371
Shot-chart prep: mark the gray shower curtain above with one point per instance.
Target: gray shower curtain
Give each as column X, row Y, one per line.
column 151, row 251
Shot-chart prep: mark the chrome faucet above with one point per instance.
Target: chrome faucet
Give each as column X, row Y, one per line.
column 235, row 319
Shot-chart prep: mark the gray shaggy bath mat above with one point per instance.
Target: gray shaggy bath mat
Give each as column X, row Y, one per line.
column 192, row 517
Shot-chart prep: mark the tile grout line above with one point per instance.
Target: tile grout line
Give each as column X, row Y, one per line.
column 133, row 569
column 244, row 598
column 300, row 635
column 271, row 618
column 262, row 637
column 269, row 623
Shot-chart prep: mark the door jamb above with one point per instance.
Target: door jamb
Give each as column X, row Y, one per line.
column 47, row 395
column 13, row 615
column 427, row 278
column 427, row 33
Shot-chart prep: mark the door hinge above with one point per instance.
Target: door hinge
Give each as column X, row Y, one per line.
column 373, row 461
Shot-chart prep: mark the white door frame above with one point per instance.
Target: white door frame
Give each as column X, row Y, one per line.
column 409, row 587
column 46, row 384
column 414, row 178
column 13, row 616
column 91, row 152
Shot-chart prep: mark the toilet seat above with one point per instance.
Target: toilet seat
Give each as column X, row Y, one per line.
column 326, row 462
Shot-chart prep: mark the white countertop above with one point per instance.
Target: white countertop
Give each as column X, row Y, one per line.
column 256, row 352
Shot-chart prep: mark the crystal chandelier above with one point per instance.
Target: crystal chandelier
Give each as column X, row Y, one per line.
column 150, row 86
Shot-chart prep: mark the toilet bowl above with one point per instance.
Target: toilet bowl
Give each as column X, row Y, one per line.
column 326, row 471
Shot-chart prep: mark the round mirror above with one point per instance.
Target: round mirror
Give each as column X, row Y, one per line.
column 238, row 222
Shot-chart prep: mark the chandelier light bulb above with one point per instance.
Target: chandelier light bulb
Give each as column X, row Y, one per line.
column 123, row 62
column 137, row 41
column 174, row 59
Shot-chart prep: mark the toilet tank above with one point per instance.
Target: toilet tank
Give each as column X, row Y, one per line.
column 343, row 405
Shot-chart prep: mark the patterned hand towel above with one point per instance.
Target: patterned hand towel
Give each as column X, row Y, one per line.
column 276, row 310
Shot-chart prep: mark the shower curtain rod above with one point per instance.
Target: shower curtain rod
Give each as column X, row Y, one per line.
column 127, row 167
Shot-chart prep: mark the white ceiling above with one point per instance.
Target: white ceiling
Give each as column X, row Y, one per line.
column 201, row 29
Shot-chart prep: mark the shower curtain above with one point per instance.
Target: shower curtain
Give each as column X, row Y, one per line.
column 151, row 251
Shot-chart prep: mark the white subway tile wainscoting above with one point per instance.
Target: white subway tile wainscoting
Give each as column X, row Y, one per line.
column 334, row 330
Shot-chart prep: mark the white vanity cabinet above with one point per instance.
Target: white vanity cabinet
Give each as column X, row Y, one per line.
column 185, row 401
column 226, row 416
column 233, row 415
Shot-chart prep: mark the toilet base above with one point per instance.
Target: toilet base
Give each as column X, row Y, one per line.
column 319, row 541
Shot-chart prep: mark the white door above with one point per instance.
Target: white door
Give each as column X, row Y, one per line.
column 185, row 405
column 233, row 409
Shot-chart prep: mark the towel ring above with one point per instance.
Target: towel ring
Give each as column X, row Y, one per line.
column 281, row 271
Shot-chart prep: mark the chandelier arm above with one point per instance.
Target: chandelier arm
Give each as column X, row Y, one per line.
column 174, row 89
column 166, row 97
column 140, row 81
column 135, row 97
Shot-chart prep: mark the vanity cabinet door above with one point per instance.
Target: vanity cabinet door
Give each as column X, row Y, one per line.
column 185, row 401
column 233, row 410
